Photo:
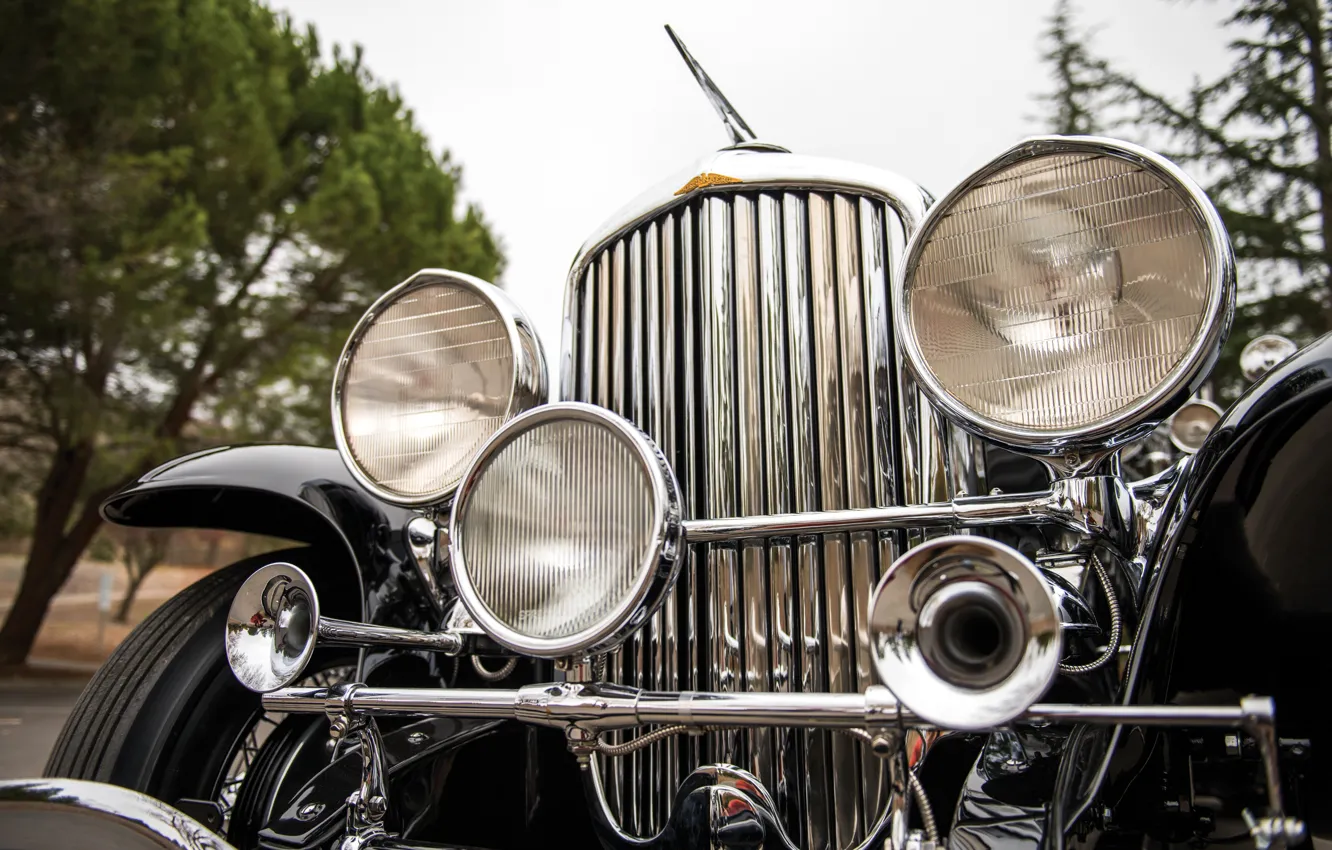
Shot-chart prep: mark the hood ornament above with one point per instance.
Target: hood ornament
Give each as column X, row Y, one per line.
column 741, row 135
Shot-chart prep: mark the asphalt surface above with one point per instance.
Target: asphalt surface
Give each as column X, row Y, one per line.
column 32, row 712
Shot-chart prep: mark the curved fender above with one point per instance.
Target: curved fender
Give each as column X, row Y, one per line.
column 1240, row 595
column 298, row 493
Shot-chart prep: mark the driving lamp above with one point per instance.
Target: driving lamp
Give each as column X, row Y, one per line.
column 1069, row 294
column 430, row 372
column 1192, row 423
column 566, row 531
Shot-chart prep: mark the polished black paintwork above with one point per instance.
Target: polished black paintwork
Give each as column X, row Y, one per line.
column 299, row 493
column 1240, row 600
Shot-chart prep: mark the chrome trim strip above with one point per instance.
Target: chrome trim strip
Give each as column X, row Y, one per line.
column 750, row 454
column 75, row 812
column 817, row 791
column 825, row 288
column 755, row 170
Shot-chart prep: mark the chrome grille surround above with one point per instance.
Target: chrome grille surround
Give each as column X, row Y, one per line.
column 746, row 327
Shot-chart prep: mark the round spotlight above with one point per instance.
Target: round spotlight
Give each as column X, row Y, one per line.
column 1069, row 294
column 1192, row 423
column 566, row 531
column 965, row 632
column 430, row 372
column 1263, row 354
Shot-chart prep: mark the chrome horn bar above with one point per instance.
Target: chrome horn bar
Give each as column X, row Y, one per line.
column 1099, row 504
column 274, row 625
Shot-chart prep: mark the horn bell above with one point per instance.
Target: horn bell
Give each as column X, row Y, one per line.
column 272, row 627
column 965, row 632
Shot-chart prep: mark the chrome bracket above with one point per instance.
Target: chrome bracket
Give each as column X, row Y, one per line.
column 368, row 804
column 1275, row 831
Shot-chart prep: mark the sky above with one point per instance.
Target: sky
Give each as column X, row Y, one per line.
column 561, row 112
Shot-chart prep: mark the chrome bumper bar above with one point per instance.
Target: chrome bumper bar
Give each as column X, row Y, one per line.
column 602, row 707
column 585, row 710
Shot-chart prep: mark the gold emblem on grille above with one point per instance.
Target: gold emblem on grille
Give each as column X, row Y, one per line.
column 706, row 179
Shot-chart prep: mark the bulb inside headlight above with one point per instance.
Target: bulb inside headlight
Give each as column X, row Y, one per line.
column 431, row 371
column 566, row 531
column 1070, row 293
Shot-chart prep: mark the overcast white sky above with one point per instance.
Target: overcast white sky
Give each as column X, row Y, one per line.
column 561, row 112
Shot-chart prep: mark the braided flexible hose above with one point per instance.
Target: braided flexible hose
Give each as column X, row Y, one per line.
column 1112, row 649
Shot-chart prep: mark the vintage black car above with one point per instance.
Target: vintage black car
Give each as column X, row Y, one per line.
column 830, row 542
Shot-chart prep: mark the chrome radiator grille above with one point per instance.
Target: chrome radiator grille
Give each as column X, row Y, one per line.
column 749, row 333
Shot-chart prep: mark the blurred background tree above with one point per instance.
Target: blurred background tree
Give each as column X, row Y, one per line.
column 1259, row 140
column 195, row 206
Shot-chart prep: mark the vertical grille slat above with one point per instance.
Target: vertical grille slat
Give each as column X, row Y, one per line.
column 812, row 663
column 748, row 333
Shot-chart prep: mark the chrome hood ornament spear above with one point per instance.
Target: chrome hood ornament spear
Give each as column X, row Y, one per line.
column 741, row 135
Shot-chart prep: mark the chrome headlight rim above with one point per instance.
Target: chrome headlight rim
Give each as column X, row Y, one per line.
column 1136, row 420
column 658, row 569
column 529, row 369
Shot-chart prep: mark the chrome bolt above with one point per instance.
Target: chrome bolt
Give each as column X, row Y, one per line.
column 337, row 728
column 881, row 746
column 310, row 811
column 416, row 739
column 375, row 807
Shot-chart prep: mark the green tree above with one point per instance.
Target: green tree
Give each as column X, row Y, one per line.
column 1259, row 139
column 195, row 206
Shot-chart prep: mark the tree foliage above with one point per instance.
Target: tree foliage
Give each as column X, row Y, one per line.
column 1259, row 139
column 196, row 203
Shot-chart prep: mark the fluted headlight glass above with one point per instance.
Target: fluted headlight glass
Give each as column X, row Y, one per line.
column 565, row 532
column 430, row 373
column 1070, row 290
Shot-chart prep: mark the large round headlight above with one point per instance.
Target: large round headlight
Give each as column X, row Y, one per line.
column 566, row 531
column 1070, row 293
column 431, row 371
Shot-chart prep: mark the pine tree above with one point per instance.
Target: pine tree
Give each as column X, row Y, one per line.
column 1259, row 140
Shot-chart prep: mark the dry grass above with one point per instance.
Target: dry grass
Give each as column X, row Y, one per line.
column 75, row 633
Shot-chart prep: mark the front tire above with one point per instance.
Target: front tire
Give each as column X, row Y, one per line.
column 164, row 715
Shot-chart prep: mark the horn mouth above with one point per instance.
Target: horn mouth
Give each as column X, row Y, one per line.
column 272, row 627
column 971, row 634
column 965, row 632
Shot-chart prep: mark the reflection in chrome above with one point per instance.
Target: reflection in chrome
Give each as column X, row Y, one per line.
column 776, row 298
column 586, row 711
column 1192, row 423
column 256, row 735
column 1263, row 354
column 735, row 125
column 273, row 626
column 43, row 813
column 967, row 630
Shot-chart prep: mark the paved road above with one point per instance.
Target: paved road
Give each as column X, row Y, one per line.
column 32, row 712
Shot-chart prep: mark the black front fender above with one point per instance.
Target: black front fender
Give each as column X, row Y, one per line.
column 298, row 493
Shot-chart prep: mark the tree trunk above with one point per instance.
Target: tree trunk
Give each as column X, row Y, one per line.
column 135, row 581
column 48, row 565
column 53, row 552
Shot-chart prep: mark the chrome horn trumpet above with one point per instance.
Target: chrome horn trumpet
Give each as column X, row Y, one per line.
column 274, row 625
column 965, row 632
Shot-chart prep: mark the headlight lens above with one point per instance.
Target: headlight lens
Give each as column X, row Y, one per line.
column 432, row 370
column 1071, row 290
column 565, row 532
